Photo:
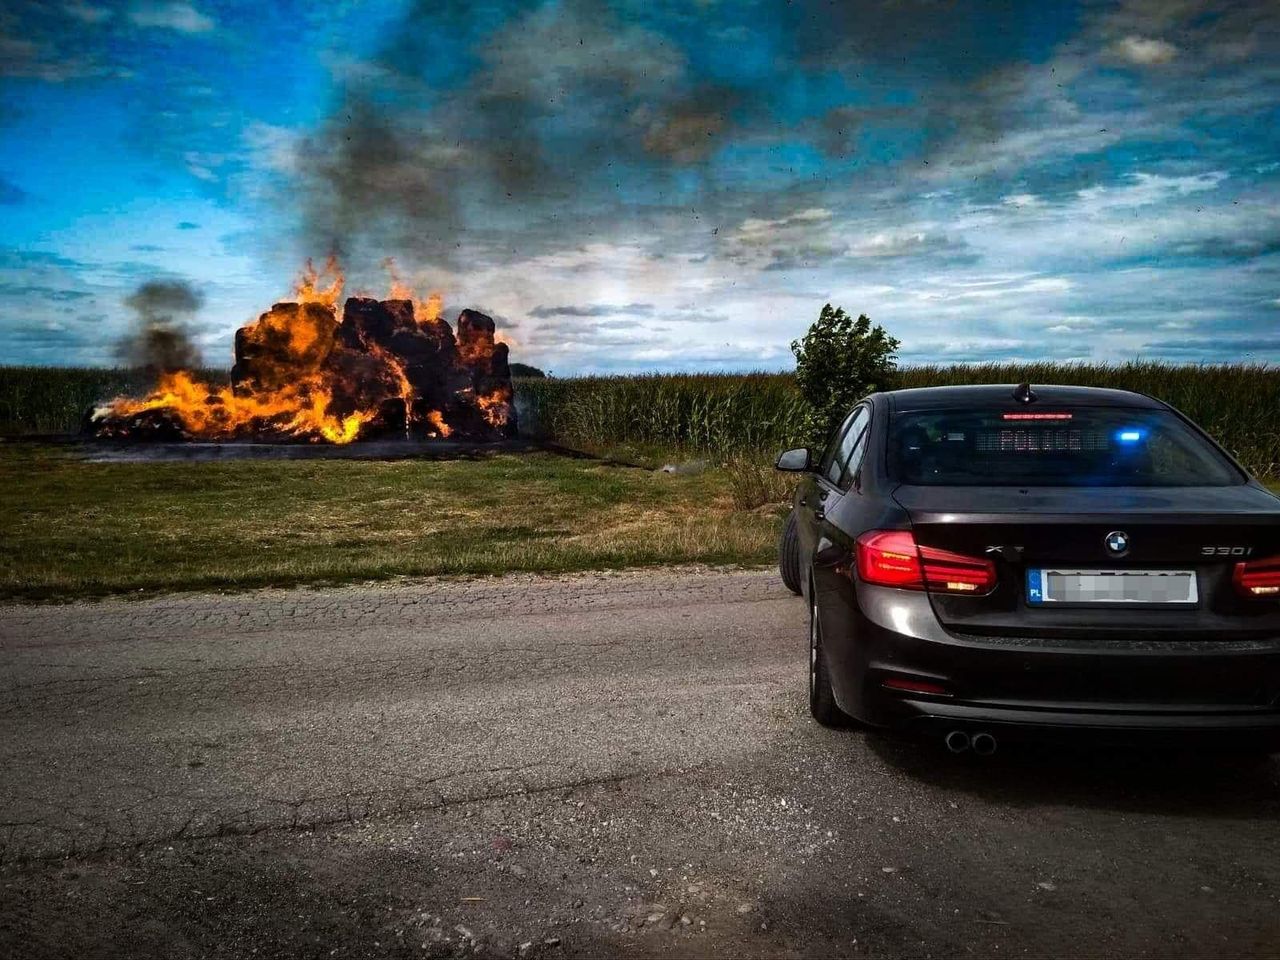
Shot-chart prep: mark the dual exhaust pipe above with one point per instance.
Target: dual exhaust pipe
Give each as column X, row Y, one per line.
column 981, row 743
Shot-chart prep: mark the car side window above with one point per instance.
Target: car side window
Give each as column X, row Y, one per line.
column 825, row 465
column 854, row 463
column 848, row 443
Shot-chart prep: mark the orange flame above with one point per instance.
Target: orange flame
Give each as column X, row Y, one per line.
column 425, row 311
column 294, row 355
column 436, row 419
column 217, row 412
column 496, row 406
column 429, row 310
column 320, row 286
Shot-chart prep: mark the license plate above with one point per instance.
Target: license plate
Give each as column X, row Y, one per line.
column 1159, row 587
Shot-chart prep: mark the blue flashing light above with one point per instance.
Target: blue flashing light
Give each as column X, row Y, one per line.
column 1131, row 436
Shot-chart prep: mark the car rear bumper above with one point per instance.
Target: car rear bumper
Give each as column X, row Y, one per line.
column 1019, row 688
column 1211, row 729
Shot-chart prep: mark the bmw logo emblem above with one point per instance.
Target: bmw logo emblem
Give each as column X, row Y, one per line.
column 1117, row 543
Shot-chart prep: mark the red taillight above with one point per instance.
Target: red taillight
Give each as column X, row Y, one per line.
column 1258, row 578
column 891, row 558
column 1035, row 416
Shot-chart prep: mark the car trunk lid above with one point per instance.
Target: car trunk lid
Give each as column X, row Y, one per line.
column 1206, row 530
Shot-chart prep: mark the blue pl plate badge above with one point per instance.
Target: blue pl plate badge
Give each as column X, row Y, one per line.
column 1035, row 592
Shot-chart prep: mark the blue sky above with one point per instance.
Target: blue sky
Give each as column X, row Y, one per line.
column 640, row 185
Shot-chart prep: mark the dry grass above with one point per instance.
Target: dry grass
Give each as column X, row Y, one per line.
column 70, row 528
column 754, row 483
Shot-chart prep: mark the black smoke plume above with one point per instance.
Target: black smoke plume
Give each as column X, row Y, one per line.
column 161, row 339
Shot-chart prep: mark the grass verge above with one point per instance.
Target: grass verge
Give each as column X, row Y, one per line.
column 71, row 529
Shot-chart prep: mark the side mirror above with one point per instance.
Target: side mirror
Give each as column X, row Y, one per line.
column 795, row 461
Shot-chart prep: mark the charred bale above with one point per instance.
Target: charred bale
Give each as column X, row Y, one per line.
column 490, row 370
column 442, row 383
column 146, row 426
column 360, row 380
column 368, row 321
column 287, row 343
column 433, row 366
column 426, row 350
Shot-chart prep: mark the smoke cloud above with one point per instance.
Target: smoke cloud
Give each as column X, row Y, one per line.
column 161, row 339
column 562, row 103
column 487, row 132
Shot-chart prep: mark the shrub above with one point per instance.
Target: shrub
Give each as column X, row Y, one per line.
column 839, row 361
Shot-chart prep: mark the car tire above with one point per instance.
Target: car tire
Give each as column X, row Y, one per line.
column 789, row 554
column 822, row 701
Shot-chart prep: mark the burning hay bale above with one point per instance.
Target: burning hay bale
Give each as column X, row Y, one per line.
column 289, row 339
column 387, row 368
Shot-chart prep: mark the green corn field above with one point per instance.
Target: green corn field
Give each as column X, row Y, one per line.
column 732, row 415
column 743, row 414
column 710, row 413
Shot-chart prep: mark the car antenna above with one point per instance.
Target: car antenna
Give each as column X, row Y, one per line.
column 1024, row 394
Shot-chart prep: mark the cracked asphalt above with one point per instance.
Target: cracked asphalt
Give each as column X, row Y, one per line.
column 615, row 764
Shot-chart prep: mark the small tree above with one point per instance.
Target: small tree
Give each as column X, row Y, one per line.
column 839, row 361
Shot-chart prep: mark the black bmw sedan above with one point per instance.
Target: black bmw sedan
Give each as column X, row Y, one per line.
column 993, row 562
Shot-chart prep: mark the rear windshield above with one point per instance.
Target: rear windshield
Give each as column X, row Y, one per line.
column 1080, row 447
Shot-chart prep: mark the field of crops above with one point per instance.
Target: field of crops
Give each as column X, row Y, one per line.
column 709, row 413
column 733, row 415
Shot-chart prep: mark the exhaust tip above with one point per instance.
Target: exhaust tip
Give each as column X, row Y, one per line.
column 957, row 741
column 984, row 744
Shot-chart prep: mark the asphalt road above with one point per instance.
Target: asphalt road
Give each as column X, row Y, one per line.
column 610, row 764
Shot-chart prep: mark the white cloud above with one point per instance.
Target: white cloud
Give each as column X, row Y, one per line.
column 1073, row 324
column 272, row 148
column 994, row 349
column 177, row 15
column 1061, row 133
column 1143, row 189
column 203, row 166
column 754, row 231
column 1020, row 200
column 896, row 243
column 599, row 258
column 813, row 237
column 1202, row 215
column 1145, row 51
column 982, row 288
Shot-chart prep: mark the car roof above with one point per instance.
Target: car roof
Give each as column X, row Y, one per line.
column 1001, row 395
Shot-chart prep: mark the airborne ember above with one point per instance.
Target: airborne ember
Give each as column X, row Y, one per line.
column 384, row 368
